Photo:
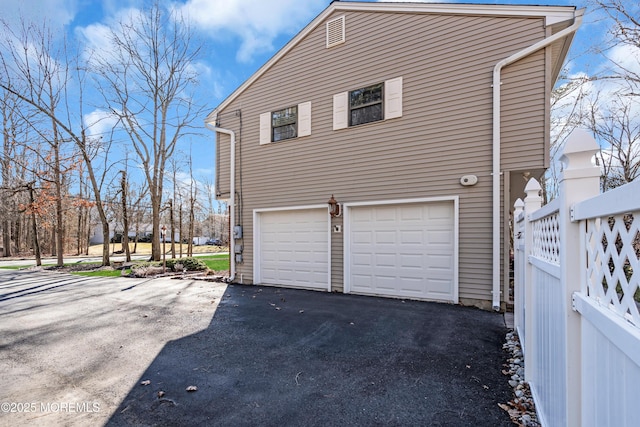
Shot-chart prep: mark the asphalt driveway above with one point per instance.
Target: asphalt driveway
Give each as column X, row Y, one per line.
column 287, row 357
column 264, row 356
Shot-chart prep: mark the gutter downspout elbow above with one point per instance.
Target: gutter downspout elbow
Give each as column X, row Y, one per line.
column 496, row 172
column 232, row 199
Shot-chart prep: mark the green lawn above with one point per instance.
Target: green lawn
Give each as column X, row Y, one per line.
column 216, row 262
column 101, row 273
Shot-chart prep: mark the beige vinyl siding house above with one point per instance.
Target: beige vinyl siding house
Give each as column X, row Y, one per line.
column 405, row 213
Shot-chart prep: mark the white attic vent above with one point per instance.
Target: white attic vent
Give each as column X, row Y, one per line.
column 335, row 31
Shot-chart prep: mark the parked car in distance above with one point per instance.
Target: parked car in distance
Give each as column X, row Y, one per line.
column 214, row 242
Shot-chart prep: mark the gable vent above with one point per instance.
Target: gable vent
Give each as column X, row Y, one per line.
column 335, row 31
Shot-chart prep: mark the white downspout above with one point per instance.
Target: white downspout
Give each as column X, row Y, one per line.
column 232, row 199
column 496, row 173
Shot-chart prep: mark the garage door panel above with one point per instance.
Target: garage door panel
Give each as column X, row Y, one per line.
column 411, row 213
column 440, row 237
column 438, row 287
column 385, row 260
column 412, row 261
column 440, row 211
column 387, row 236
column 412, row 237
column 293, row 248
column 412, row 250
column 384, row 214
column 439, row 262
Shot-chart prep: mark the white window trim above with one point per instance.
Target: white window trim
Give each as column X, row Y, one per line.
column 392, row 104
column 304, row 124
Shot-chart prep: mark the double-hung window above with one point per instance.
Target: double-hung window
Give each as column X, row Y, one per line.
column 284, row 124
column 377, row 102
column 287, row 123
column 365, row 105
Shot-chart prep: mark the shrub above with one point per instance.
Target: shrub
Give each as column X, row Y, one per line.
column 189, row 264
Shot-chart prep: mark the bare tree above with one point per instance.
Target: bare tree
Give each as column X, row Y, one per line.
column 146, row 77
column 125, row 216
column 624, row 29
column 616, row 125
column 38, row 71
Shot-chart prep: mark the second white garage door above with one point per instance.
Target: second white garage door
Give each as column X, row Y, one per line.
column 405, row 250
column 293, row 248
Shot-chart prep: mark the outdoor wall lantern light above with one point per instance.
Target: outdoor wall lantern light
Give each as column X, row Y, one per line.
column 334, row 207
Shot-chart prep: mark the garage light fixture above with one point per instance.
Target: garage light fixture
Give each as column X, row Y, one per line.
column 334, row 207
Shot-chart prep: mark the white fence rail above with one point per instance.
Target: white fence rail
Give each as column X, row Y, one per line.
column 576, row 277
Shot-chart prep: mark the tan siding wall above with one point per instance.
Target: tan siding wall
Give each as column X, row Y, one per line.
column 445, row 131
column 523, row 109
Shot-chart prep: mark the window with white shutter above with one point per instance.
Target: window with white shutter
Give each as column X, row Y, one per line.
column 304, row 119
column 287, row 123
column 393, row 98
column 340, row 110
column 377, row 102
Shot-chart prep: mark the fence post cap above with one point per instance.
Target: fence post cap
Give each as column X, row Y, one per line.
column 533, row 187
column 519, row 204
column 578, row 150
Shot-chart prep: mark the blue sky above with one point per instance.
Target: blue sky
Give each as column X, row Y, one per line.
column 240, row 35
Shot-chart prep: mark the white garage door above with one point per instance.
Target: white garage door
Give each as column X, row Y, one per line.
column 293, row 248
column 402, row 250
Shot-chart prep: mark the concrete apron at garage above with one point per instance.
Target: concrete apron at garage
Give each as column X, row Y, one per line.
column 274, row 356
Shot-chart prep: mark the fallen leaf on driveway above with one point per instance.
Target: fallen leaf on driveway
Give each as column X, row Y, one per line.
column 160, row 393
column 504, row 407
column 145, row 382
column 192, row 388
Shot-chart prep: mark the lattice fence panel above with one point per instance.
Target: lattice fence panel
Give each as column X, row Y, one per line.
column 613, row 264
column 546, row 239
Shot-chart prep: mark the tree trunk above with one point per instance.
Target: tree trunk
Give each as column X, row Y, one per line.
column 173, row 230
column 6, row 238
column 155, row 226
column 180, row 227
column 125, row 218
column 36, row 242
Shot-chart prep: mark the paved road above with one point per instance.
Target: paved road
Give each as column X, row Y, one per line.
column 72, row 347
column 30, row 262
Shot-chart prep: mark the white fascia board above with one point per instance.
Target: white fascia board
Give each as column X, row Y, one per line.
column 551, row 14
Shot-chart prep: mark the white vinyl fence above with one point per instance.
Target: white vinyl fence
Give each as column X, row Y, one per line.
column 576, row 278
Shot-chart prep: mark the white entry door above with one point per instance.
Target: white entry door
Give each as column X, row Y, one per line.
column 293, row 248
column 405, row 250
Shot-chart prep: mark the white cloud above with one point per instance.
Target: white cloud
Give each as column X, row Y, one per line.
column 99, row 123
column 56, row 12
column 256, row 23
column 96, row 36
column 626, row 57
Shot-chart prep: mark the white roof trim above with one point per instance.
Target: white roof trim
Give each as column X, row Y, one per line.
column 551, row 14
